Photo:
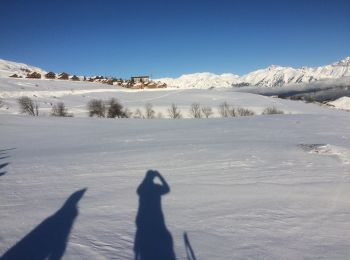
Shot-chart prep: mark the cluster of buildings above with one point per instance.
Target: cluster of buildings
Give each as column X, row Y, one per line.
column 137, row 82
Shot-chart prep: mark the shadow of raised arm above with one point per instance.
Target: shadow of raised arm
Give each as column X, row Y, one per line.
column 165, row 187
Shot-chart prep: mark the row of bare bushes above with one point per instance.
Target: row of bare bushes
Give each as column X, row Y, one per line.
column 112, row 108
column 31, row 108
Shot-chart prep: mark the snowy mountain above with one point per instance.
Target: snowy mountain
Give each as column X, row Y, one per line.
column 273, row 76
column 8, row 68
column 202, row 80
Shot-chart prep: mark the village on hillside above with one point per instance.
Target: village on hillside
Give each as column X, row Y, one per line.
column 137, row 82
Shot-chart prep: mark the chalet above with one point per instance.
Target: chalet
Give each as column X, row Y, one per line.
column 140, row 79
column 50, row 75
column 63, row 75
column 75, row 78
column 34, row 75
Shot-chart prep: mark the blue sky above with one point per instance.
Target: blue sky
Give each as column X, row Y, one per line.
column 169, row 38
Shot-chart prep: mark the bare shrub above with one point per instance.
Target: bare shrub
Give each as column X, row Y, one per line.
column 27, row 106
column 127, row 112
column 96, row 107
column 225, row 110
column 149, row 112
column 174, row 112
column 60, row 110
column 244, row 112
column 1, row 103
column 195, row 110
column 207, row 111
column 233, row 112
column 138, row 114
column 272, row 111
column 115, row 109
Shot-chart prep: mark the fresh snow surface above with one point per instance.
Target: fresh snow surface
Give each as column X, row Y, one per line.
column 273, row 76
column 261, row 187
column 341, row 103
column 8, row 68
column 257, row 187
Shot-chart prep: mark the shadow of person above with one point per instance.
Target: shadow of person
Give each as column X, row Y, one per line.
column 49, row 239
column 3, row 165
column 152, row 240
column 3, row 155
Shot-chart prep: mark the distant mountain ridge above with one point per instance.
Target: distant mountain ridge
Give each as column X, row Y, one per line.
column 272, row 76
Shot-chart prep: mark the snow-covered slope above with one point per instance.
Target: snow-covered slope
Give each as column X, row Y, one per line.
column 341, row 103
column 8, row 68
column 273, row 76
column 264, row 187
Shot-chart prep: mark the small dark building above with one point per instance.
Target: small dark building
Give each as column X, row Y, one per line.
column 140, row 79
column 63, row 75
column 34, row 75
column 50, row 75
column 75, row 78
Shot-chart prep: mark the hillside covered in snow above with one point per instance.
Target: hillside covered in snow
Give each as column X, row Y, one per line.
column 8, row 68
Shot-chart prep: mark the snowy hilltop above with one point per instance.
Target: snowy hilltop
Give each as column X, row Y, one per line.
column 8, row 68
column 273, row 76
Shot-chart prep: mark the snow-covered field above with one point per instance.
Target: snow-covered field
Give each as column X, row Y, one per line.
column 76, row 95
column 258, row 187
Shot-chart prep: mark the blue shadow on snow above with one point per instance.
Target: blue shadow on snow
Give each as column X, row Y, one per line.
column 153, row 241
column 49, row 239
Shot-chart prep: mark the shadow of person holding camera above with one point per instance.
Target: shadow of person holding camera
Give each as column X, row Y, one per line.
column 153, row 241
